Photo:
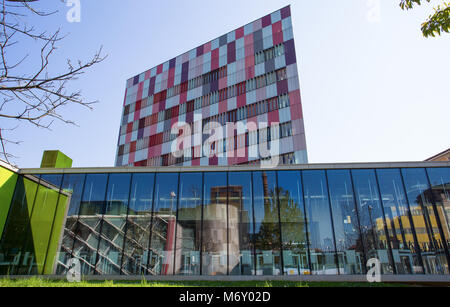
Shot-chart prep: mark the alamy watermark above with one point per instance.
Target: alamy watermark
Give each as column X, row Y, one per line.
column 74, row 272
column 373, row 11
column 243, row 139
column 374, row 272
column 74, row 13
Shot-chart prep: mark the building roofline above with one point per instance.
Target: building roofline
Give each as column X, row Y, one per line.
column 438, row 155
column 8, row 166
column 188, row 169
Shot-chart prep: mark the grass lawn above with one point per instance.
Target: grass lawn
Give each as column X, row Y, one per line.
column 40, row 282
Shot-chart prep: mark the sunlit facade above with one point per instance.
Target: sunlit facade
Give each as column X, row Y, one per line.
column 247, row 76
column 216, row 221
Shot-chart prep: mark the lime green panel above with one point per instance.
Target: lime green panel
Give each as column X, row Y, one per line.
column 8, row 181
column 55, row 159
column 16, row 235
column 63, row 161
column 41, row 223
column 30, row 193
column 58, row 223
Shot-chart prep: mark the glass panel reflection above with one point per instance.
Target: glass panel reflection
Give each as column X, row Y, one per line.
column 425, row 221
column 214, row 240
column 293, row 226
column 218, row 223
column 322, row 245
column 371, row 219
column 163, row 224
column 406, row 255
column 240, row 224
column 350, row 250
column 267, row 230
column 189, row 224
column 113, row 225
column 72, row 185
column 52, row 179
column 88, row 226
column 138, row 225
column 440, row 182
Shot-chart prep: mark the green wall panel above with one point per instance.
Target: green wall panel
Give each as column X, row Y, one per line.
column 30, row 194
column 41, row 223
column 55, row 159
column 8, row 181
column 14, row 250
column 63, row 161
column 33, row 229
column 58, row 223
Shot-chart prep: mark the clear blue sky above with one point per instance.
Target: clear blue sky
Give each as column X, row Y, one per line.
column 371, row 91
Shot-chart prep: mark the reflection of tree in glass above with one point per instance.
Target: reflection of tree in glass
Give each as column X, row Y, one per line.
column 292, row 219
column 268, row 237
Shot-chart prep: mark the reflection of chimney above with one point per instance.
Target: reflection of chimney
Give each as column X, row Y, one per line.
column 266, row 193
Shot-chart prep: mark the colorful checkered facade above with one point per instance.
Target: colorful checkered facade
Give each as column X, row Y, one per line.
column 248, row 75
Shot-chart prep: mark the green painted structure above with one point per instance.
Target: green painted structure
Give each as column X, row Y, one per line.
column 55, row 159
column 8, row 180
column 32, row 215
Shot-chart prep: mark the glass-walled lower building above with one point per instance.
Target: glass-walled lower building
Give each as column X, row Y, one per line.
column 292, row 220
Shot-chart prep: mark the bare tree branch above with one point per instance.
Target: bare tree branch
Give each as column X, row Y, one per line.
column 36, row 96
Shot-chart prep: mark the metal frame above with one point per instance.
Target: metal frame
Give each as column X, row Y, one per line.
column 175, row 169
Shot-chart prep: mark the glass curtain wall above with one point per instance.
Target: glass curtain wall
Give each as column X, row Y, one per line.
column 426, row 223
column 347, row 229
column 162, row 243
column 72, row 185
column 402, row 237
column 188, row 232
column 241, row 232
column 109, row 259
column 237, row 223
column 320, row 224
column 371, row 218
column 267, row 228
column 214, row 231
column 440, row 185
column 88, row 228
column 136, row 247
column 293, row 226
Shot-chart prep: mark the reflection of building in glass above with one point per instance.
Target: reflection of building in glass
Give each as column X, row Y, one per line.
column 441, row 196
column 218, row 230
column 214, row 231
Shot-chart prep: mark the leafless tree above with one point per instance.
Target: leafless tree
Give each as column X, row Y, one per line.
column 30, row 93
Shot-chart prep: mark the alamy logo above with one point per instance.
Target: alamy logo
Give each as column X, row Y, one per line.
column 267, row 149
column 74, row 14
column 374, row 11
column 374, row 272
column 74, row 272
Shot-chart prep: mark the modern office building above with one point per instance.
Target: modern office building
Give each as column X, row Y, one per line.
column 327, row 219
column 247, row 77
column 208, row 216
